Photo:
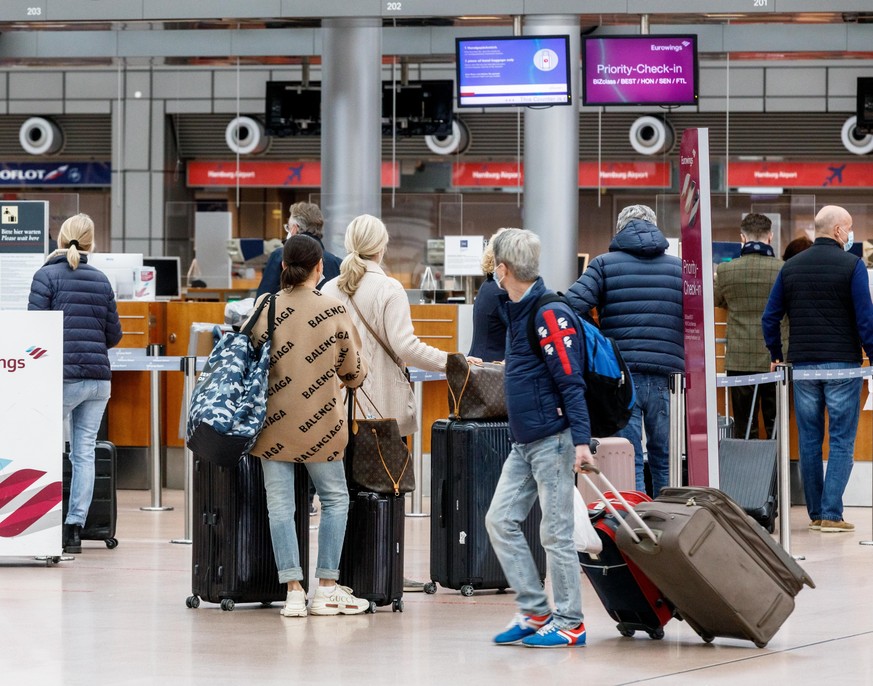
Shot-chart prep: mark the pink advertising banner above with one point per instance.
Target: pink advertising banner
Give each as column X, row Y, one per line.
column 697, row 304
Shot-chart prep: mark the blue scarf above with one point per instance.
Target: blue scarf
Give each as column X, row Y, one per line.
column 757, row 248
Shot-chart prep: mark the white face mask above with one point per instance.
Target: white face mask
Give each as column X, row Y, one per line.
column 850, row 241
column 498, row 280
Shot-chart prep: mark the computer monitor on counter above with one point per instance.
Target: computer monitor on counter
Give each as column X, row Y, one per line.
column 168, row 276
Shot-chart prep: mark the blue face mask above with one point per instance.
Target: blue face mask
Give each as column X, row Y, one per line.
column 850, row 241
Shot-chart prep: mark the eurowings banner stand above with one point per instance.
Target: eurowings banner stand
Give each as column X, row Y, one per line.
column 31, row 432
column 697, row 304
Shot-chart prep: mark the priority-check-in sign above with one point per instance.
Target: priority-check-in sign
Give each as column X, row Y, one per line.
column 23, row 248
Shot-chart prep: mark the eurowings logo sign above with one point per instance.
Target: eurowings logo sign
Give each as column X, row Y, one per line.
column 52, row 174
column 13, row 364
column 26, row 498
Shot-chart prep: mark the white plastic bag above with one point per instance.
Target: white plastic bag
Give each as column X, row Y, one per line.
column 584, row 535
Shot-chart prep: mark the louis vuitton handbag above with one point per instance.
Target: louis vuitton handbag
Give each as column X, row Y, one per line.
column 475, row 391
column 377, row 459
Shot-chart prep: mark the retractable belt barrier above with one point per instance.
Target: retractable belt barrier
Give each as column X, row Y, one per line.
column 149, row 360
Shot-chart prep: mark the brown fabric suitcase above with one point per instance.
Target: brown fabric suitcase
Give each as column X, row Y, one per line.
column 725, row 575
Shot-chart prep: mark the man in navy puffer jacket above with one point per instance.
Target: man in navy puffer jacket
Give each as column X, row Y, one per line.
column 550, row 431
column 637, row 290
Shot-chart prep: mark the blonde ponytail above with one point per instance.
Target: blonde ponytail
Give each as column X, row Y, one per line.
column 366, row 239
column 75, row 237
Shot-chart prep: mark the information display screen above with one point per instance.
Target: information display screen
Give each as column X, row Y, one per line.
column 639, row 70
column 513, row 71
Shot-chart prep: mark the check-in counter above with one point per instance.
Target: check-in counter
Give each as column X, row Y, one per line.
column 169, row 324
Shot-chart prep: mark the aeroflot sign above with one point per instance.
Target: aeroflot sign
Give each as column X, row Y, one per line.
column 55, row 174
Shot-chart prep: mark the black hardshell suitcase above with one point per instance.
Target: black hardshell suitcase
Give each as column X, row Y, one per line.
column 747, row 472
column 232, row 551
column 103, row 513
column 466, row 460
column 372, row 558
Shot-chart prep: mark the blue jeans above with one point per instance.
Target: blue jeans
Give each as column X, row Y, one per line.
column 842, row 398
column 542, row 468
column 329, row 479
column 652, row 406
column 84, row 403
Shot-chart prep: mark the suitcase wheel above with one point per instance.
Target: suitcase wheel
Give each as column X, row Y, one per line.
column 466, row 590
column 627, row 633
column 430, row 588
column 372, row 609
column 397, row 605
column 192, row 601
column 760, row 644
column 111, row 543
column 227, row 605
column 707, row 638
column 657, row 634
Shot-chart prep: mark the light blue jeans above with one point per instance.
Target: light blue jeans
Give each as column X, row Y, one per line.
column 84, row 403
column 842, row 398
column 652, row 406
column 543, row 468
column 329, row 479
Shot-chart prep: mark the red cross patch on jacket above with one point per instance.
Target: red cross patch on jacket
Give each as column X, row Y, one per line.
column 555, row 338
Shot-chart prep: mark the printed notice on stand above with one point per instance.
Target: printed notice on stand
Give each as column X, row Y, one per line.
column 23, row 248
column 464, row 255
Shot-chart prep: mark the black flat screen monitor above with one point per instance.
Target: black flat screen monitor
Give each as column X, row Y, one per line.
column 292, row 109
column 639, row 70
column 513, row 71
column 420, row 108
column 168, row 276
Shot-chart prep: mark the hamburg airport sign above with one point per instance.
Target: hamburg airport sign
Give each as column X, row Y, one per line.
column 55, row 174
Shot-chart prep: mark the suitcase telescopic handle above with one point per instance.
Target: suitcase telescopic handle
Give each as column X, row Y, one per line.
column 633, row 514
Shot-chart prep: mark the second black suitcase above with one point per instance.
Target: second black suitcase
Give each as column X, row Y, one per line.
column 747, row 473
column 232, row 551
column 466, row 461
column 103, row 513
column 372, row 558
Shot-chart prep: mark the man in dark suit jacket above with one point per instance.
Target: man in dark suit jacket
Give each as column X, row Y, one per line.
column 303, row 217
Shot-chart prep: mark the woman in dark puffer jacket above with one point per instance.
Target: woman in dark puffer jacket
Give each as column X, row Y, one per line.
column 91, row 326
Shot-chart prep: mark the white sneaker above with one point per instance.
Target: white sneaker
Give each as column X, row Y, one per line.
column 340, row 602
column 295, row 604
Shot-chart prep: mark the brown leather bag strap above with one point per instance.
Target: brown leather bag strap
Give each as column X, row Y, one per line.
column 457, row 401
column 388, row 350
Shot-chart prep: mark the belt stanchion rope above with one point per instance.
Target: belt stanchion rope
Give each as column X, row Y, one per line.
column 155, row 350
column 783, row 451
column 677, row 429
column 189, row 368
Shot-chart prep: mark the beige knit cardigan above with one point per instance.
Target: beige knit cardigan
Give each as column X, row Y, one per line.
column 315, row 349
column 382, row 300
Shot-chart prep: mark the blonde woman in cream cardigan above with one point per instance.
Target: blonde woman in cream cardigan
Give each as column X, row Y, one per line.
column 382, row 302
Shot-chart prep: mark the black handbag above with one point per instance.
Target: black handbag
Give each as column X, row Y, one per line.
column 377, row 458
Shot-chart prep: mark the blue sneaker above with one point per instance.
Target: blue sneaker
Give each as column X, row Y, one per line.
column 521, row 627
column 552, row 636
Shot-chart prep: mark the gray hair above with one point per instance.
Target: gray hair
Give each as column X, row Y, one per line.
column 630, row 212
column 519, row 250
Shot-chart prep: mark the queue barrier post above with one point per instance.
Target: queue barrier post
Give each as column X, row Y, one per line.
column 784, row 461
column 155, row 350
column 189, row 368
column 677, row 429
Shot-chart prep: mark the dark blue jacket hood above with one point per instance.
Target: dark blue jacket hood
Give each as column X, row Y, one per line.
column 640, row 238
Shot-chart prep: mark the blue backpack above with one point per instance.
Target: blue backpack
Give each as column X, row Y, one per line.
column 609, row 391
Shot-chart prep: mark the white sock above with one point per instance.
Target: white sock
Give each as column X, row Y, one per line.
column 327, row 590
